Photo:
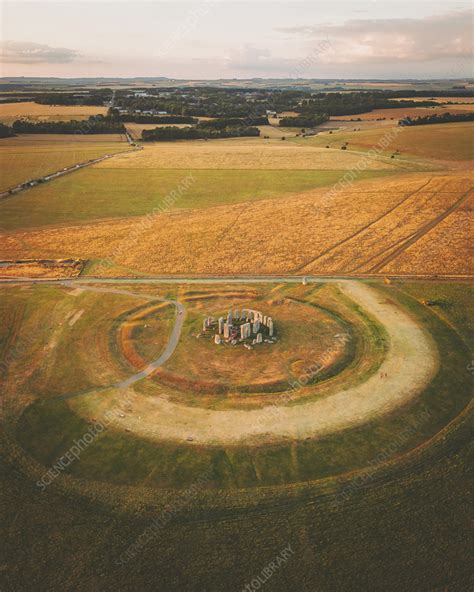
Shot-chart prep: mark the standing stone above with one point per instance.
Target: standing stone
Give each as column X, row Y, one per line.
column 204, row 324
column 221, row 325
column 226, row 330
column 270, row 327
column 256, row 326
column 259, row 338
column 236, row 315
column 242, row 332
column 265, row 320
column 229, row 317
column 217, row 339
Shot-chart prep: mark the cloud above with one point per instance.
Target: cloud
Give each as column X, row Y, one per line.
column 405, row 39
column 19, row 52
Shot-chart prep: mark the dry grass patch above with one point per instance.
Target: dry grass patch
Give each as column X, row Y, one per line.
column 450, row 242
column 241, row 154
column 9, row 112
column 55, row 268
column 445, row 141
column 264, row 237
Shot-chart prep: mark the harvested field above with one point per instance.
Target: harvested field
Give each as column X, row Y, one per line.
column 235, row 153
column 221, row 239
column 30, row 156
column 450, row 241
column 445, row 141
column 9, row 112
column 361, row 250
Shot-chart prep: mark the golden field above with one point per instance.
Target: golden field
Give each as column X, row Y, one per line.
column 252, row 153
column 270, row 236
column 9, row 112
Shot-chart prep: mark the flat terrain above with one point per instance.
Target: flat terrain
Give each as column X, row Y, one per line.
column 98, row 193
column 9, row 112
column 352, row 228
column 29, row 156
column 359, row 409
column 243, row 154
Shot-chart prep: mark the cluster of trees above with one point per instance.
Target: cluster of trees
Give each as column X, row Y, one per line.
column 351, row 103
column 94, row 125
column 428, row 93
column 194, row 133
column 444, row 118
column 132, row 118
column 225, row 122
column 304, row 120
column 97, row 97
column 6, row 131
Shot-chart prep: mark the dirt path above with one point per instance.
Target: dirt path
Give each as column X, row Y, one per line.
column 155, row 364
column 409, row 365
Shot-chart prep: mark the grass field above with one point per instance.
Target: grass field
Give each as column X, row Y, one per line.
column 47, row 430
column 446, row 141
column 97, row 193
column 9, row 112
column 30, row 156
column 338, row 514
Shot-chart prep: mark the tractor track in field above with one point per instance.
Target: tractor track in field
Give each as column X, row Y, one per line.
column 401, row 245
column 363, row 229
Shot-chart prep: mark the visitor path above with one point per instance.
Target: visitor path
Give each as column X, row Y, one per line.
column 408, row 366
column 165, row 355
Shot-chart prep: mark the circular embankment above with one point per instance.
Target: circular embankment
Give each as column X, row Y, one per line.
column 410, row 362
column 305, row 333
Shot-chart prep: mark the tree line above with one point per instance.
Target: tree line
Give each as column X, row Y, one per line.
column 304, row 121
column 93, row 125
column 351, row 103
column 194, row 133
column 443, row 118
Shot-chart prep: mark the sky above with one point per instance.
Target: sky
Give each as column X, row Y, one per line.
column 210, row 39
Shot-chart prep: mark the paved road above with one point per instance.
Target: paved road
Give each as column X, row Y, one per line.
column 237, row 279
column 75, row 167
